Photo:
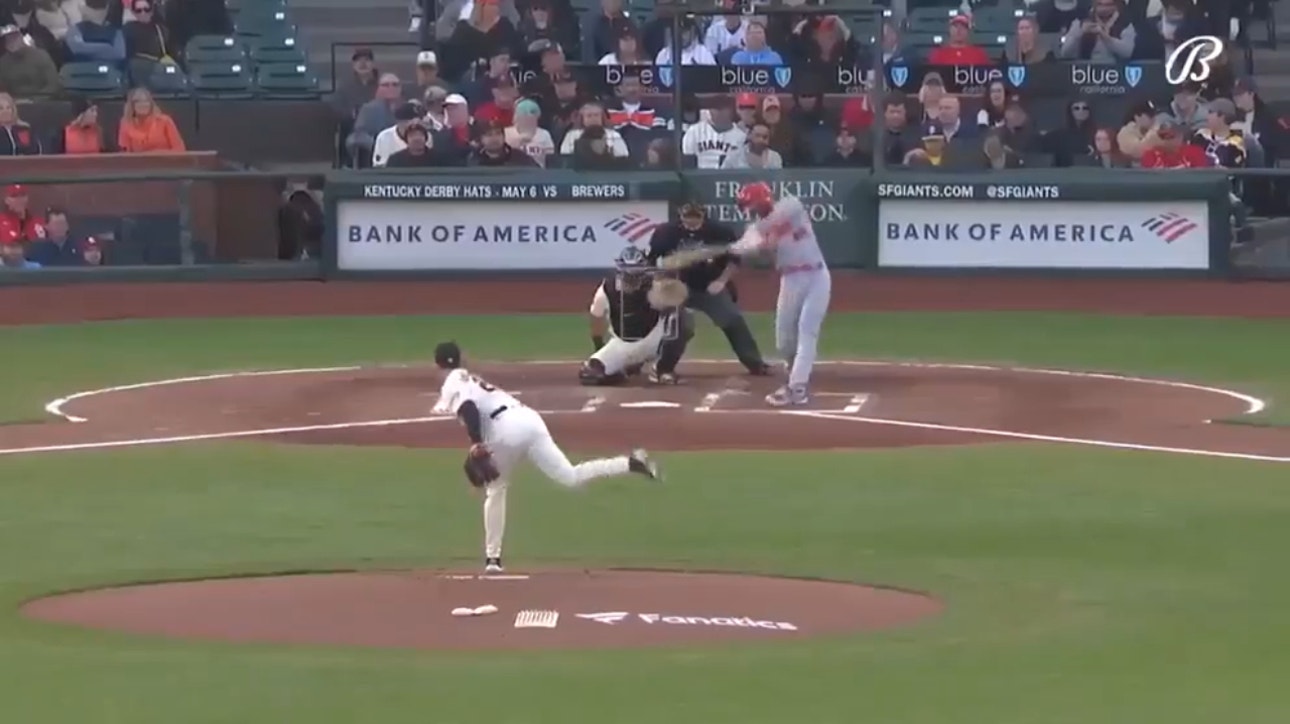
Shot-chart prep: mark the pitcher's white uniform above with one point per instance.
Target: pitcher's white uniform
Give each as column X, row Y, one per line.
column 513, row 431
column 618, row 353
column 804, row 283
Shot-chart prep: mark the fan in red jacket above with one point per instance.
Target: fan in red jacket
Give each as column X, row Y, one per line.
column 17, row 224
column 1173, row 151
column 958, row 50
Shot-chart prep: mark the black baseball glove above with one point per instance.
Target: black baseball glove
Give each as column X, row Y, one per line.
column 479, row 466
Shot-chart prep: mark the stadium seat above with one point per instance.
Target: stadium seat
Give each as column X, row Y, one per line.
column 277, row 23
column 93, row 79
column 220, row 80
column 214, row 49
column 168, row 80
column 287, row 80
column 275, row 49
column 930, row 20
column 996, row 20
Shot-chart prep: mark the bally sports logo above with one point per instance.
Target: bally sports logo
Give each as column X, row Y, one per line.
column 1169, row 226
column 632, row 226
column 612, row 618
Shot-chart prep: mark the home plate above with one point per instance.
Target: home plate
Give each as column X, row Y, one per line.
column 648, row 405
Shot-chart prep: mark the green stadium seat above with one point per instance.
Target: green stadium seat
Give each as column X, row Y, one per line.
column 220, row 80
column 92, row 79
column 996, row 20
column 214, row 49
column 930, row 20
column 273, row 49
column 292, row 80
column 277, row 23
column 168, row 81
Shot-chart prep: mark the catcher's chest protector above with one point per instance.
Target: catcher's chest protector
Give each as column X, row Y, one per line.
column 630, row 314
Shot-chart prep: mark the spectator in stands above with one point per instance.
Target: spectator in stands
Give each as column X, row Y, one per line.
column 147, row 42
column 1026, row 47
column 500, row 107
column 929, row 96
column 893, row 50
column 1186, row 108
column 57, row 248
column 189, row 18
column 391, row 140
column 1075, row 139
column 455, row 11
column 949, row 114
column 1106, row 152
column 715, row 136
column 995, row 153
column 896, row 138
column 375, row 116
column 829, row 43
column 660, row 155
column 551, row 63
column 145, row 128
column 562, row 113
column 16, row 136
column 1106, row 36
column 628, row 114
column 591, row 116
column 855, row 113
column 1170, row 150
column 94, row 39
column 726, row 34
column 746, row 106
column 755, row 50
column 594, row 152
column 846, row 151
column 917, row 158
column 12, row 256
column 428, row 74
column 540, row 24
column 1018, row 133
column 83, row 134
column 793, row 147
column 497, row 67
column 456, row 141
column 993, row 104
column 1221, row 82
column 1226, row 146
column 755, row 153
column 958, row 48
column 436, row 112
column 527, row 136
column 1056, row 16
column 692, row 51
column 1138, row 132
column 933, row 149
column 1178, row 21
column 26, row 70
column 17, row 223
column 44, row 24
column 493, row 150
column 300, row 223
column 628, row 50
column 808, row 112
column 1256, row 120
column 417, row 153
column 358, row 86
column 602, row 27
column 487, row 33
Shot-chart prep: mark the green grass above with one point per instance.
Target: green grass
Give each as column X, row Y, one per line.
column 1083, row 585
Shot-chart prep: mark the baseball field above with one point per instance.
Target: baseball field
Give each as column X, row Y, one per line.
column 1010, row 501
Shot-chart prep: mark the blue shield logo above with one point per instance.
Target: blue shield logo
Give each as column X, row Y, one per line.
column 783, row 76
column 665, row 75
column 1017, row 75
column 899, row 75
column 1133, row 75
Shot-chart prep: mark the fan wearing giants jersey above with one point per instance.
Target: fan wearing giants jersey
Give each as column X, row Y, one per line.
column 710, row 140
column 626, row 331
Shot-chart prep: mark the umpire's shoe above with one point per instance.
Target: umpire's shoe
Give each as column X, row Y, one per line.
column 761, row 370
column 639, row 462
column 660, row 378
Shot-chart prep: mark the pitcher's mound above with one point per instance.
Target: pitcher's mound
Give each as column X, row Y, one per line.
column 593, row 609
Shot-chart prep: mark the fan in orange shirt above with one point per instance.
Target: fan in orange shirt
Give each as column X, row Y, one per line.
column 958, row 50
column 145, row 128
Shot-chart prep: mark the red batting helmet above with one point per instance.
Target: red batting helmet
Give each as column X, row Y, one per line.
column 756, row 195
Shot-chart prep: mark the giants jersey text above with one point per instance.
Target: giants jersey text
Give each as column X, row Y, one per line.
column 461, row 386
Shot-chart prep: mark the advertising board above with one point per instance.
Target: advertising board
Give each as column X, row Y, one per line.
column 950, row 232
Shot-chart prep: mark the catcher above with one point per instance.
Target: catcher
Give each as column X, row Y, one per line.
column 502, row 431
column 637, row 317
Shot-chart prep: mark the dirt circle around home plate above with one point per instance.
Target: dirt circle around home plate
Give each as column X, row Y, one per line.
column 414, row 609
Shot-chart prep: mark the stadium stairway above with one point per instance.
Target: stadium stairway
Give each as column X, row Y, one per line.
column 348, row 24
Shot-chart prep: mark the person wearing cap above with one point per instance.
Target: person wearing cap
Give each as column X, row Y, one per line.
column 1106, row 35
column 428, row 73
column 1256, row 120
column 356, row 87
column 746, row 110
column 627, row 50
column 57, row 248
column 436, row 112
column 456, row 140
column 418, row 153
column 486, row 33
column 494, row 152
column 496, row 66
column 391, row 140
column 26, row 70
column 17, row 223
column 602, row 26
column 958, row 48
column 1171, row 149
column 83, row 134
column 501, row 107
column 538, row 25
column 1186, row 109
column 1138, row 132
column 1226, row 146
column 755, row 50
column 560, row 113
column 17, row 138
column 726, row 34
column 846, row 150
column 527, row 136
column 691, row 52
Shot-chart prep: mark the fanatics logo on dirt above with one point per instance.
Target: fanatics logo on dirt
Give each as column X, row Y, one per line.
column 612, row 618
column 607, row 617
column 1044, row 234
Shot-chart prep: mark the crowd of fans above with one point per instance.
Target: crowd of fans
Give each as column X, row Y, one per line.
column 485, row 45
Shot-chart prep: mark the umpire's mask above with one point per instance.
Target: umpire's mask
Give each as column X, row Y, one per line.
column 691, row 216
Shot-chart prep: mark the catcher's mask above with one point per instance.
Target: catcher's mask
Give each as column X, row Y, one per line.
column 691, row 215
column 633, row 269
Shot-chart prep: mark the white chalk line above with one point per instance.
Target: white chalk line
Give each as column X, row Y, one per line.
column 1038, row 437
column 593, row 404
column 855, row 404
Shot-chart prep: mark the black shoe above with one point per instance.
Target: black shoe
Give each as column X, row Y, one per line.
column 493, row 565
column 639, row 462
column 761, row 370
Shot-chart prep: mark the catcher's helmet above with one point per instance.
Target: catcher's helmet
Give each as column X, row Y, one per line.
column 630, row 259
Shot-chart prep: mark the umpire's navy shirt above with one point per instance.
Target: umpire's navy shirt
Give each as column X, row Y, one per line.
column 672, row 237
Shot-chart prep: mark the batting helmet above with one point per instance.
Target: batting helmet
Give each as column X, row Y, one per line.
column 756, row 196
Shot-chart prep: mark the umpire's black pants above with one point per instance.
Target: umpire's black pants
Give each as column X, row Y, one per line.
column 724, row 312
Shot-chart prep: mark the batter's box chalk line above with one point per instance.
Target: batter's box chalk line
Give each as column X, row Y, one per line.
column 537, row 619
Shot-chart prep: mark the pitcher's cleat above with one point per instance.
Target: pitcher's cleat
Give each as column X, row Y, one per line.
column 639, row 462
column 493, row 565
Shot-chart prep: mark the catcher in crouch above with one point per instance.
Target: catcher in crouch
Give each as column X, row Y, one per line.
column 637, row 317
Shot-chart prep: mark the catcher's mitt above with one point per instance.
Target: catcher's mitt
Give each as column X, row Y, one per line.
column 667, row 294
column 480, row 468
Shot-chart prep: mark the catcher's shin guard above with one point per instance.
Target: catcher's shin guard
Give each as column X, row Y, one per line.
column 671, row 351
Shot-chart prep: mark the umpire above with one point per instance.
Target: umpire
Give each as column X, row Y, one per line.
column 711, row 289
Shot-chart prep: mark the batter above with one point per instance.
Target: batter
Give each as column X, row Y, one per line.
column 805, row 285
column 501, row 427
